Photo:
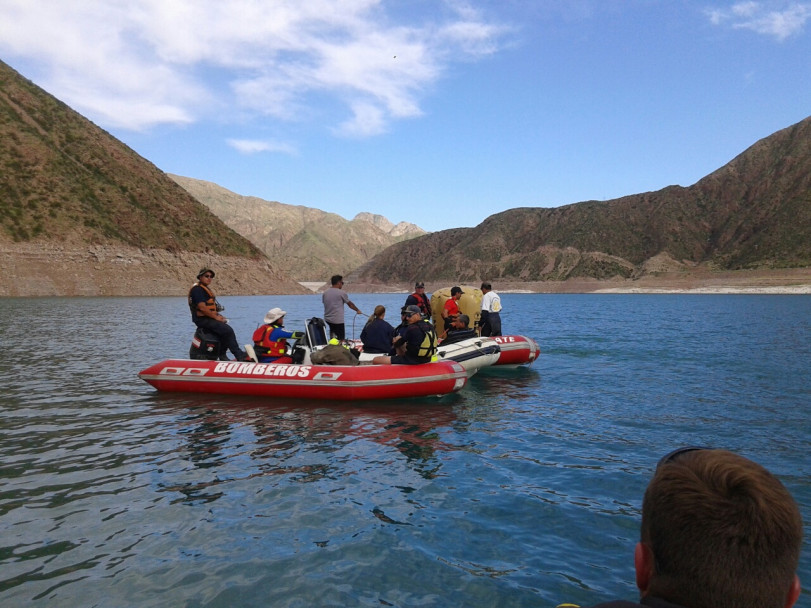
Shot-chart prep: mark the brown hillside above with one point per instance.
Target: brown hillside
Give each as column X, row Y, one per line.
column 754, row 213
column 309, row 244
column 67, row 186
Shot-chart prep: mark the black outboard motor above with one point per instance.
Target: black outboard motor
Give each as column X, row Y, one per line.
column 207, row 346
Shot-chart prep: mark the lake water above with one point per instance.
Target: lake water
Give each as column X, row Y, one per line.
column 523, row 489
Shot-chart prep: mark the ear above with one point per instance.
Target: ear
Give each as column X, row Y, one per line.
column 643, row 563
column 794, row 592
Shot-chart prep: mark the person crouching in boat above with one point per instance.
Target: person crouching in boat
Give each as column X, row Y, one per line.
column 419, row 341
column 270, row 339
column 459, row 330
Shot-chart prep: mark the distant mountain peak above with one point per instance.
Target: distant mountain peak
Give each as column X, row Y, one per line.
column 752, row 214
column 406, row 229
column 309, row 243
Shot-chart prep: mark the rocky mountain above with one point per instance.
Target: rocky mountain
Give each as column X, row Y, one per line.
column 82, row 214
column 402, row 229
column 309, row 244
column 753, row 213
column 79, row 207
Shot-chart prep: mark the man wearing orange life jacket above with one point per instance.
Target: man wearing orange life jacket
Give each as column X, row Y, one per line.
column 270, row 340
column 205, row 313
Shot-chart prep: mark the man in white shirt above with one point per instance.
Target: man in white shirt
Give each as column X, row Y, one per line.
column 490, row 322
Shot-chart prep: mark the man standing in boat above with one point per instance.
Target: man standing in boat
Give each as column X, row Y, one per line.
column 205, row 313
column 334, row 299
column 490, row 321
column 419, row 341
column 418, row 298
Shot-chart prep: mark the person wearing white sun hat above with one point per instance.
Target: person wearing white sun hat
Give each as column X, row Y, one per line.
column 270, row 339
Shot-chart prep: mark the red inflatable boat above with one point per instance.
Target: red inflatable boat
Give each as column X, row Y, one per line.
column 332, row 382
column 515, row 351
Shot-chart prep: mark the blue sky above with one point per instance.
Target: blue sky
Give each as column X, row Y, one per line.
column 436, row 112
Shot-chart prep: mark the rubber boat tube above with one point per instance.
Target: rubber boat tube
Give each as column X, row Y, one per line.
column 472, row 354
column 329, row 382
column 516, row 351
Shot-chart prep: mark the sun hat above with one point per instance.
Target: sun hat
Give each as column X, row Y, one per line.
column 274, row 314
column 203, row 271
column 412, row 310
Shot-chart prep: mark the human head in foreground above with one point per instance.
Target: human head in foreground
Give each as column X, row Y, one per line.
column 718, row 531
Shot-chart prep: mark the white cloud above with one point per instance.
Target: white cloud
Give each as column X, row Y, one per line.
column 142, row 63
column 780, row 20
column 251, row 146
column 368, row 120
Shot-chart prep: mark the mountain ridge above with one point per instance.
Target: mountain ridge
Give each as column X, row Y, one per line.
column 753, row 213
column 310, row 244
column 83, row 214
column 70, row 189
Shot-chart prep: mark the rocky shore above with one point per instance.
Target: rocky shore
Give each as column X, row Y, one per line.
column 30, row 270
column 37, row 270
column 785, row 281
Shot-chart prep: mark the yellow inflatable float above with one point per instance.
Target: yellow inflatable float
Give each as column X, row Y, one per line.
column 470, row 304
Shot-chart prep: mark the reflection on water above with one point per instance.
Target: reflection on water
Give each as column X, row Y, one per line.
column 522, row 489
column 296, row 444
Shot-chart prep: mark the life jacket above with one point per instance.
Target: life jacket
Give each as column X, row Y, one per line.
column 422, row 302
column 211, row 303
column 427, row 348
column 264, row 346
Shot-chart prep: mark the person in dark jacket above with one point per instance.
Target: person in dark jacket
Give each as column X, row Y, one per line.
column 378, row 334
column 418, row 298
column 459, row 330
column 420, row 341
column 718, row 531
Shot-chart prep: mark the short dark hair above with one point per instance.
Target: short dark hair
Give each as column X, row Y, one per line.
column 723, row 531
column 486, row 286
column 336, row 278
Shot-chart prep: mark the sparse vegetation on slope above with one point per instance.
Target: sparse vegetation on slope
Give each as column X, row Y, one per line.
column 64, row 179
column 754, row 213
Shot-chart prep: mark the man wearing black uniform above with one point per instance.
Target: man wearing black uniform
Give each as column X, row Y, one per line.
column 205, row 313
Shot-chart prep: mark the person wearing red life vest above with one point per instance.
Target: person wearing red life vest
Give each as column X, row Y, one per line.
column 270, row 339
column 418, row 298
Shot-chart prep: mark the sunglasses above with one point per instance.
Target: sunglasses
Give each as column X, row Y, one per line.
column 208, row 276
column 674, row 455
